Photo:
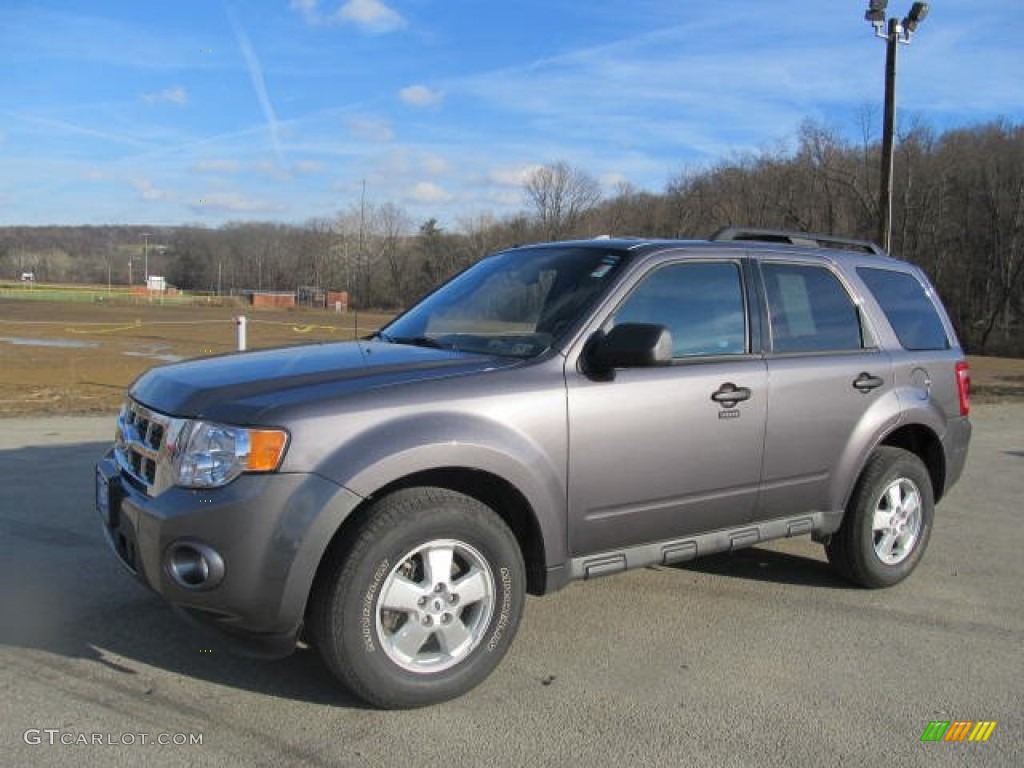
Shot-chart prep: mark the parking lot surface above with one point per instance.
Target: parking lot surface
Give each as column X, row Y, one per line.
column 761, row 657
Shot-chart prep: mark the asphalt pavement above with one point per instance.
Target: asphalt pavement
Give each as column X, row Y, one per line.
column 761, row 657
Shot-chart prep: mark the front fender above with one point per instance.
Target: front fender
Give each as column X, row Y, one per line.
column 417, row 443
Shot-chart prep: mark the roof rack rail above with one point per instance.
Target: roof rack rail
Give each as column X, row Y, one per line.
column 807, row 239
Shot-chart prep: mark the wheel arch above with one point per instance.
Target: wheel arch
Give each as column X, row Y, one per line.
column 495, row 492
column 921, row 441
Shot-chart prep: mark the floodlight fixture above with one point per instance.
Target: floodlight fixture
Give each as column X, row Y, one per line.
column 918, row 12
column 876, row 12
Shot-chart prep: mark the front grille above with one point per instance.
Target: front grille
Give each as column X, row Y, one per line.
column 144, row 446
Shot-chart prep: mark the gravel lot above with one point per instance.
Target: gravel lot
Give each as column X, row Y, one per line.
column 757, row 658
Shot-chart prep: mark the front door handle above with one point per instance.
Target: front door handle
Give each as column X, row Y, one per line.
column 729, row 394
column 866, row 382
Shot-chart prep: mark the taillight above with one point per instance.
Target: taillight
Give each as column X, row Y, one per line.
column 963, row 386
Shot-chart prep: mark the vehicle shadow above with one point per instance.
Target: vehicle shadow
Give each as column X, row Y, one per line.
column 62, row 591
column 769, row 565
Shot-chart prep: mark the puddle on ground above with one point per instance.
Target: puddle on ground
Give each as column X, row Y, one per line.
column 163, row 356
column 152, row 353
column 65, row 343
column 155, row 352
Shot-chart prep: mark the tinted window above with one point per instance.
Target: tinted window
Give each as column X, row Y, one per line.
column 910, row 312
column 810, row 310
column 700, row 303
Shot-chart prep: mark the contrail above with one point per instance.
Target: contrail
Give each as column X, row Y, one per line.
column 259, row 84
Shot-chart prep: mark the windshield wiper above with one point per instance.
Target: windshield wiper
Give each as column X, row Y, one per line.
column 418, row 341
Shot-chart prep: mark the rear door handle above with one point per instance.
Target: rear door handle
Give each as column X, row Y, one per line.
column 729, row 394
column 866, row 382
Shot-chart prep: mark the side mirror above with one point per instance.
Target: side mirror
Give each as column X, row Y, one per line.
column 630, row 345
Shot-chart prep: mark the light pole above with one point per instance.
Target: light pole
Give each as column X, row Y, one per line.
column 893, row 32
column 145, row 255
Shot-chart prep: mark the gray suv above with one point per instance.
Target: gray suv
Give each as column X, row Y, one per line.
column 556, row 412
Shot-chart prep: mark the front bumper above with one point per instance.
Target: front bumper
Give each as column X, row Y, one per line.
column 269, row 532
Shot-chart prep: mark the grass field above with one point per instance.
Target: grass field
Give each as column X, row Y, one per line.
column 58, row 357
column 78, row 357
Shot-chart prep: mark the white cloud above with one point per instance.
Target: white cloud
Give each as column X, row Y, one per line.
column 434, row 164
column 149, row 191
column 217, row 166
column 420, row 96
column 369, row 128
column 176, row 95
column 428, row 192
column 308, row 166
column 233, row 202
column 308, row 9
column 273, row 170
column 613, row 180
column 371, row 15
column 506, row 199
column 511, row 177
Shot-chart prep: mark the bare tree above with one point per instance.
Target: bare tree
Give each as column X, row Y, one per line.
column 390, row 225
column 560, row 195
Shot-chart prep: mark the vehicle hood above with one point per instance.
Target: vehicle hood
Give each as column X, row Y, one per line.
column 248, row 382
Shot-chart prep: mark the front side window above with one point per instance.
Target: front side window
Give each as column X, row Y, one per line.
column 701, row 304
column 810, row 310
column 910, row 312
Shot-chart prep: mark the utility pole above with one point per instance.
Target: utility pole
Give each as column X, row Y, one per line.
column 360, row 270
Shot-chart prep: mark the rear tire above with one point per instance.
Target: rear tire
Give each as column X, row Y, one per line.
column 888, row 521
column 422, row 603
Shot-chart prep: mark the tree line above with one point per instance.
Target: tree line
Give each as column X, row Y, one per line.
column 958, row 211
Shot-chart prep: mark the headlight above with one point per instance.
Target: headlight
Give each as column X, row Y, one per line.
column 213, row 455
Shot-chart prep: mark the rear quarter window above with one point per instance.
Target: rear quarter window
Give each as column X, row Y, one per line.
column 906, row 305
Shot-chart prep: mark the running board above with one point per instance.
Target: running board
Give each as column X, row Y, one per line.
column 692, row 547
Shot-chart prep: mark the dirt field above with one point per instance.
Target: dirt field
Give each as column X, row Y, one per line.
column 58, row 358
column 61, row 358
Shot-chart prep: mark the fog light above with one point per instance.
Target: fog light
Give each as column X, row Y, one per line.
column 193, row 565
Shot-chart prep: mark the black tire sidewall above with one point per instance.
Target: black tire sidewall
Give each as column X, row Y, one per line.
column 896, row 466
column 370, row 671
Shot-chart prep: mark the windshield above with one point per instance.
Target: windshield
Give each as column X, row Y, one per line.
column 516, row 303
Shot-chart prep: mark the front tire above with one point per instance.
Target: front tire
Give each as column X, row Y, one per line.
column 888, row 521
column 422, row 602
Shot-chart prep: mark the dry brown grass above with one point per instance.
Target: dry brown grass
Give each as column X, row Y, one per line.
column 996, row 379
column 114, row 344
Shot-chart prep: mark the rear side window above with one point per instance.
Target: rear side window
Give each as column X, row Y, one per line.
column 910, row 312
column 810, row 310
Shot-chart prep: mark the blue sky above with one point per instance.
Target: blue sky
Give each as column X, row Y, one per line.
column 200, row 111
